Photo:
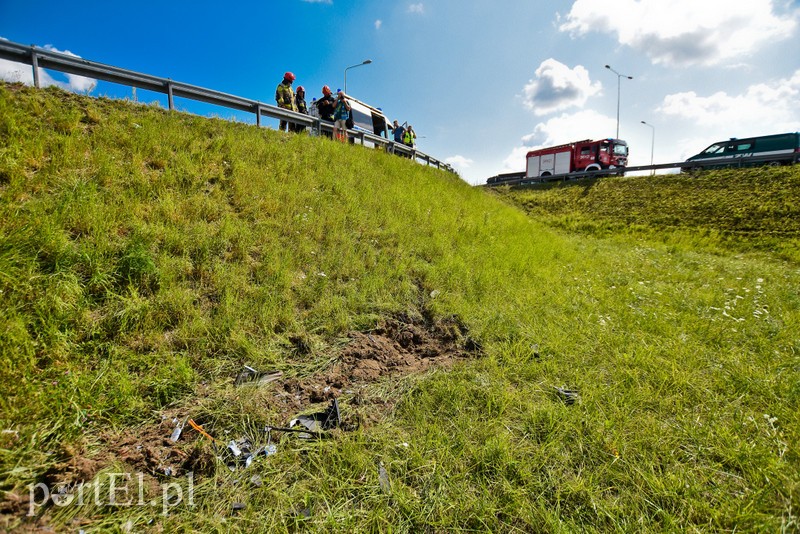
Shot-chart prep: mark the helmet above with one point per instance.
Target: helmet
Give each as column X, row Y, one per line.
column 326, row 90
column 289, row 76
column 300, row 88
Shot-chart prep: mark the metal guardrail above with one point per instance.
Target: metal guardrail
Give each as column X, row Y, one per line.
column 519, row 178
column 40, row 58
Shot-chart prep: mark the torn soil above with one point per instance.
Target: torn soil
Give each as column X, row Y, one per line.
column 399, row 347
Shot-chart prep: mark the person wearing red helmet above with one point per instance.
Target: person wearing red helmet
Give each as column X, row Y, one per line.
column 326, row 106
column 284, row 96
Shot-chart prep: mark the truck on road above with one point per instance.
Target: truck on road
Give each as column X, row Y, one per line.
column 586, row 155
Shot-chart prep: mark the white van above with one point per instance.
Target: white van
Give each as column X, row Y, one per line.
column 366, row 118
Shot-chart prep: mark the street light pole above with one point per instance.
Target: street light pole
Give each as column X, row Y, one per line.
column 619, row 77
column 652, row 143
column 365, row 62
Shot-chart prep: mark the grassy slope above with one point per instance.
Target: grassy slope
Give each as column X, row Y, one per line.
column 146, row 255
column 758, row 209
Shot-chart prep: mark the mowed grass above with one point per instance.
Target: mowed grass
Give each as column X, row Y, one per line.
column 145, row 256
column 757, row 209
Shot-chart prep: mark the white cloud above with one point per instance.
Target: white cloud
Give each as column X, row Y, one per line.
column 16, row 72
column 378, row 24
column 416, row 8
column 769, row 107
column 559, row 130
column 19, row 72
column 557, row 87
column 684, row 32
column 459, row 162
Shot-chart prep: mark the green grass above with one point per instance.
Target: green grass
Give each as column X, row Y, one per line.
column 758, row 209
column 145, row 256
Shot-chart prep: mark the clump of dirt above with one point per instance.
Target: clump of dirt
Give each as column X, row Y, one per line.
column 149, row 449
column 398, row 347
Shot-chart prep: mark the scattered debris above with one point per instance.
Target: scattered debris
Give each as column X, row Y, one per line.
column 239, row 506
column 320, row 421
column 383, row 478
column 176, row 434
column 303, row 513
column 256, row 481
column 241, row 453
column 568, row 396
column 201, row 430
column 248, row 375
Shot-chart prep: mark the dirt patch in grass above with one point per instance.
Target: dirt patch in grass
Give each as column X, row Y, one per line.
column 399, row 347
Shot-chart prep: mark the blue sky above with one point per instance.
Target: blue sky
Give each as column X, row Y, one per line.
column 481, row 81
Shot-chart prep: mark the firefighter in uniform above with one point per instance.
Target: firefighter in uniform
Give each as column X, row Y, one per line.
column 300, row 104
column 284, row 96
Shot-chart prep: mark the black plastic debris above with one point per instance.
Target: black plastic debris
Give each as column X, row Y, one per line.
column 248, row 375
column 238, row 506
column 320, row 421
column 567, row 396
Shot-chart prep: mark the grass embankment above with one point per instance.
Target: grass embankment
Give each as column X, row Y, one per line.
column 732, row 209
column 145, row 256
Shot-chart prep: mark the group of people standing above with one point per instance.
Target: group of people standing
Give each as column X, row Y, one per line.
column 328, row 108
column 404, row 134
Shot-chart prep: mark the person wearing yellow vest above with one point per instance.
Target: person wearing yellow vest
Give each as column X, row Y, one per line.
column 284, row 96
column 410, row 137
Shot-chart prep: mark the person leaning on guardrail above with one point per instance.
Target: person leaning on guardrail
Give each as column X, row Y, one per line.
column 284, row 96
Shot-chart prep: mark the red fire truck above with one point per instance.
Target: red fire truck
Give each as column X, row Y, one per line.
column 586, row 155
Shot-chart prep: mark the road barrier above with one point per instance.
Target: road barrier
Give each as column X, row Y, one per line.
column 46, row 59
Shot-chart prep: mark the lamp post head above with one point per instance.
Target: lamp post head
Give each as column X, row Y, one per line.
column 367, row 62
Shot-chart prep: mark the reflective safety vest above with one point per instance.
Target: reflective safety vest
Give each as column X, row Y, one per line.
column 284, row 96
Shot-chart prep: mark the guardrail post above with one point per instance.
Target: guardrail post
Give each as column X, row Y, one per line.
column 170, row 98
column 35, row 64
column 258, row 115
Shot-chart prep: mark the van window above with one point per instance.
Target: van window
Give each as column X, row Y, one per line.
column 361, row 119
column 714, row 149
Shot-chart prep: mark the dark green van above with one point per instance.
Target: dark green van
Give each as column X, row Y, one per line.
column 780, row 149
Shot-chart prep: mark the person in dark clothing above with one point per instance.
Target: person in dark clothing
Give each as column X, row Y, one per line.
column 398, row 131
column 326, row 106
column 300, row 103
